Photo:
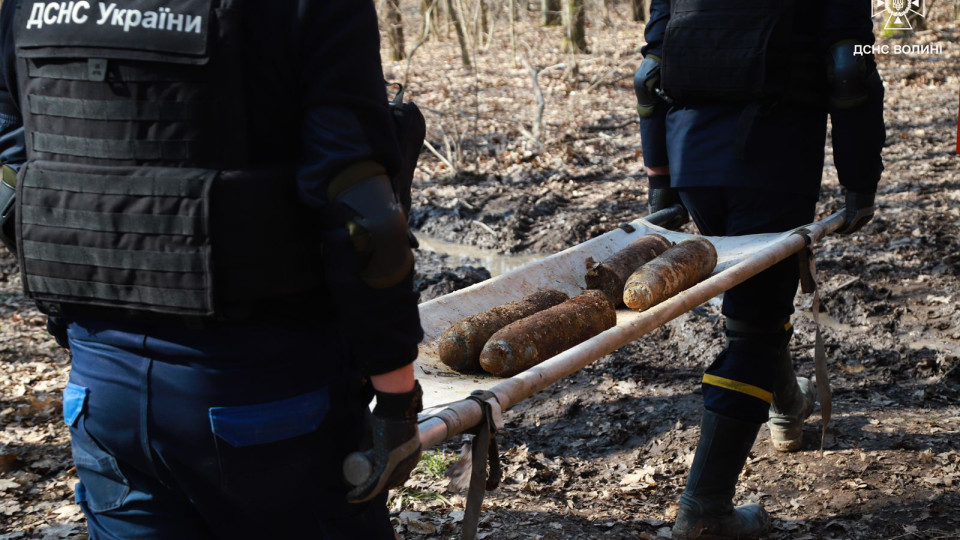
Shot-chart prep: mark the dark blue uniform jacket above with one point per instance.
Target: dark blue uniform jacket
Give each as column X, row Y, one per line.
column 784, row 149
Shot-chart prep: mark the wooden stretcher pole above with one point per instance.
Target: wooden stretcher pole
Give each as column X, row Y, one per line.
column 461, row 416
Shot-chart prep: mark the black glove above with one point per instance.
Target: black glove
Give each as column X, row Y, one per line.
column 8, row 198
column 57, row 327
column 859, row 211
column 661, row 196
column 646, row 81
column 391, row 449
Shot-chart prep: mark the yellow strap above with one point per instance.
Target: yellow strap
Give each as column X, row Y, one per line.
column 8, row 175
column 737, row 386
column 353, row 174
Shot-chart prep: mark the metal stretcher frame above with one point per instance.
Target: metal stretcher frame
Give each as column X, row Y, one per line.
column 450, row 409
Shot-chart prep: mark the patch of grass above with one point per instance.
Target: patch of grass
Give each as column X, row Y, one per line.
column 404, row 496
column 434, row 463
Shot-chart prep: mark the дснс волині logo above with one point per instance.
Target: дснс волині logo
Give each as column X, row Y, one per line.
column 898, row 11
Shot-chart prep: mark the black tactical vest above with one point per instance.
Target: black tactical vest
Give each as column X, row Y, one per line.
column 137, row 194
column 735, row 51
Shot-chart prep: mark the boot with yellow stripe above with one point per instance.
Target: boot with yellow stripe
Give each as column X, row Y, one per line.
column 706, row 505
column 793, row 398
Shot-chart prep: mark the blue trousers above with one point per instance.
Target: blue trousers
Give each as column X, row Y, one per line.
column 226, row 432
column 764, row 300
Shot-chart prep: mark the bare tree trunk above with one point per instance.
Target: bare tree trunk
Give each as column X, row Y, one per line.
column 512, row 13
column 536, row 127
column 484, row 22
column 605, row 15
column 430, row 13
column 550, row 9
column 457, row 19
column 478, row 26
column 468, row 21
column 574, row 25
column 638, row 10
column 429, row 25
column 447, row 18
column 394, row 26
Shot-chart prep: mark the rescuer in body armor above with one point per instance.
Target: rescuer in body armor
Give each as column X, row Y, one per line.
column 203, row 207
column 733, row 100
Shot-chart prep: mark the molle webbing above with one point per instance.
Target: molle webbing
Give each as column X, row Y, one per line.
column 83, row 122
column 141, row 84
column 115, row 258
column 88, row 109
column 138, row 181
column 117, row 237
column 114, row 149
column 118, row 223
column 115, row 73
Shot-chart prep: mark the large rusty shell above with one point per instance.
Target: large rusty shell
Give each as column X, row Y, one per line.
column 460, row 345
column 529, row 341
column 611, row 275
column 678, row 268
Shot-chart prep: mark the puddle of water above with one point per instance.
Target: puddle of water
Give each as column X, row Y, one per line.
column 915, row 343
column 827, row 321
column 496, row 263
column 935, row 345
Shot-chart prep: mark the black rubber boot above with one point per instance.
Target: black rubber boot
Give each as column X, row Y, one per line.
column 706, row 506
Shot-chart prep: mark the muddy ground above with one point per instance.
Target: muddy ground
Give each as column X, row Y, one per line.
column 604, row 453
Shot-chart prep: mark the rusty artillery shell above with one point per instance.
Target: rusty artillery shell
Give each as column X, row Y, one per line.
column 461, row 344
column 611, row 275
column 529, row 341
column 678, row 268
